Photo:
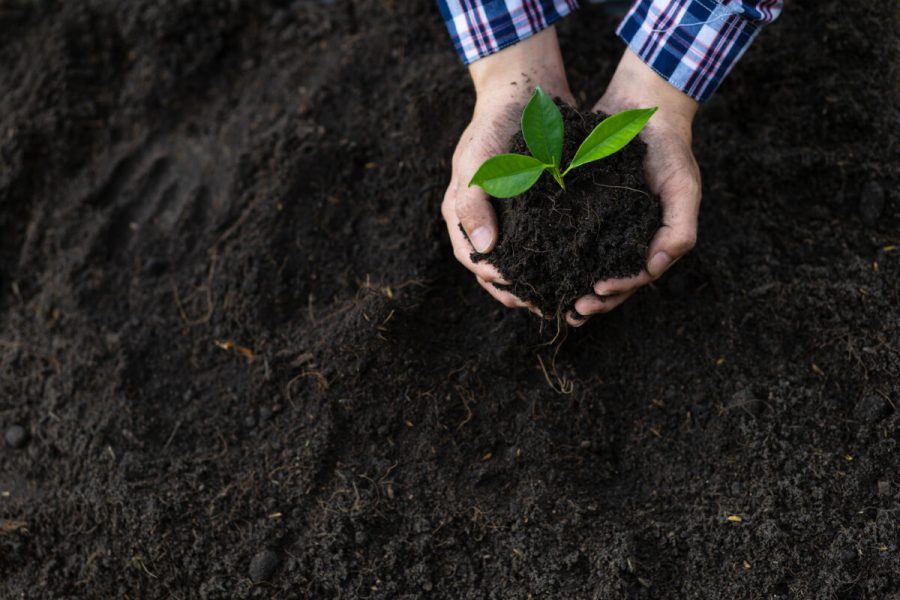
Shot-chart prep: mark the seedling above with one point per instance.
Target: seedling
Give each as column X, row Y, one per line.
column 508, row 175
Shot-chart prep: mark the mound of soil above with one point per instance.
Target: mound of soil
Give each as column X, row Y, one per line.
column 238, row 358
column 554, row 244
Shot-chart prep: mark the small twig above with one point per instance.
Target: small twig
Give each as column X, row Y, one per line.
column 565, row 387
column 172, row 435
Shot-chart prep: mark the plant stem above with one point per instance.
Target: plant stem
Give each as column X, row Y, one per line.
column 554, row 170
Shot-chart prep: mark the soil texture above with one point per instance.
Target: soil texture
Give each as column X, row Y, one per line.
column 554, row 245
column 238, row 358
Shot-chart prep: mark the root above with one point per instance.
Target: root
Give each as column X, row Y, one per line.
column 622, row 187
column 564, row 387
column 205, row 289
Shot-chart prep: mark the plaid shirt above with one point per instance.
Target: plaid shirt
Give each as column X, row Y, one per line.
column 692, row 44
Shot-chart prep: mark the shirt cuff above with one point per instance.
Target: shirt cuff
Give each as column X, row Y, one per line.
column 692, row 44
column 481, row 27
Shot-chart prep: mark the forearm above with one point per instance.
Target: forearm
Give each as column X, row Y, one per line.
column 513, row 73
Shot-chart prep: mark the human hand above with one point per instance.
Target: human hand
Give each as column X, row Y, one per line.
column 504, row 82
column 670, row 170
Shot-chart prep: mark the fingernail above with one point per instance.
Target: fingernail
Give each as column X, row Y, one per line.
column 658, row 264
column 481, row 239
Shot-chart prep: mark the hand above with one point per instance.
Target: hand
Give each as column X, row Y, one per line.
column 670, row 170
column 504, row 82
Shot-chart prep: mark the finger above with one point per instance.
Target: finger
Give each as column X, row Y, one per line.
column 505, row 298
column 594, row 305
column 574, row 319
column 611, row 287
column 462, row 250
column 679, row 193
column 476, row 215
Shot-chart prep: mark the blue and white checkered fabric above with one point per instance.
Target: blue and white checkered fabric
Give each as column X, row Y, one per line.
column 482, row 27
column 693, row 44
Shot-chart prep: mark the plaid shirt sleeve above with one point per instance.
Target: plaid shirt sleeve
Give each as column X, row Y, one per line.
column 482, row 27
column 693, row 44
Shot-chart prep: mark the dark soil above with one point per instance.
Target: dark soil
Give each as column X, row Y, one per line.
column 554, row 244
column 233, row 330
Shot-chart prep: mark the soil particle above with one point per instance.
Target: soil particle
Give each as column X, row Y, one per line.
column 155, row 267
column 871, row 203
column 884, row 488
column 263, row 565
column 678, row 283
column 16, row 436
column 871, row 409
column 848, row 554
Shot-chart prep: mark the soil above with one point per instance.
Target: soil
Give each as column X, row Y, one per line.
column 234, row 334
column 554, row 244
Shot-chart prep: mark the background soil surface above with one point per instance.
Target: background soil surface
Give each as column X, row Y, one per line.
column 186, row 183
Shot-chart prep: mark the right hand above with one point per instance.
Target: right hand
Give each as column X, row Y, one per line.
column 504, row 82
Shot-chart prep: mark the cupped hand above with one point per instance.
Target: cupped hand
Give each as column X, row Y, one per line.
column 670, row 171
column 504, row 83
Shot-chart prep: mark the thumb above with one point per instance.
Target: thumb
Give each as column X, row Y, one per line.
column 477, row 217
column 673, row 174
column 678, row 233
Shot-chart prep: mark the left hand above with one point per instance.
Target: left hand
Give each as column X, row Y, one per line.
column 670, row 170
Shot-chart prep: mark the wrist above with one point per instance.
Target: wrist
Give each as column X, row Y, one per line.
column 511, row 74
column 637, row 85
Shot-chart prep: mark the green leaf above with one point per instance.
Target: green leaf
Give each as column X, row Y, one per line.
column 611, row 135
column 507, row 175
column 542, row 128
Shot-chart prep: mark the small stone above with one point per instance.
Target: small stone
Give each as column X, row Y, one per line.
column 871, row 409
column 265, row 413
column 263, row 565
column 884, row 489
column 155, row 267
column 16, row 436
column 585, row 444
column 361, row 538
column 427, row 586
column 250, row 422
column 871, row 203
column 382, row 431
column 848, row 554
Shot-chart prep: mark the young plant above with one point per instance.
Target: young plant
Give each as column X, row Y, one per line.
column 508, row 175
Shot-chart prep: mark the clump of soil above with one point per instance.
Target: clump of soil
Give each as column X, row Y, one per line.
column 555, row 244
